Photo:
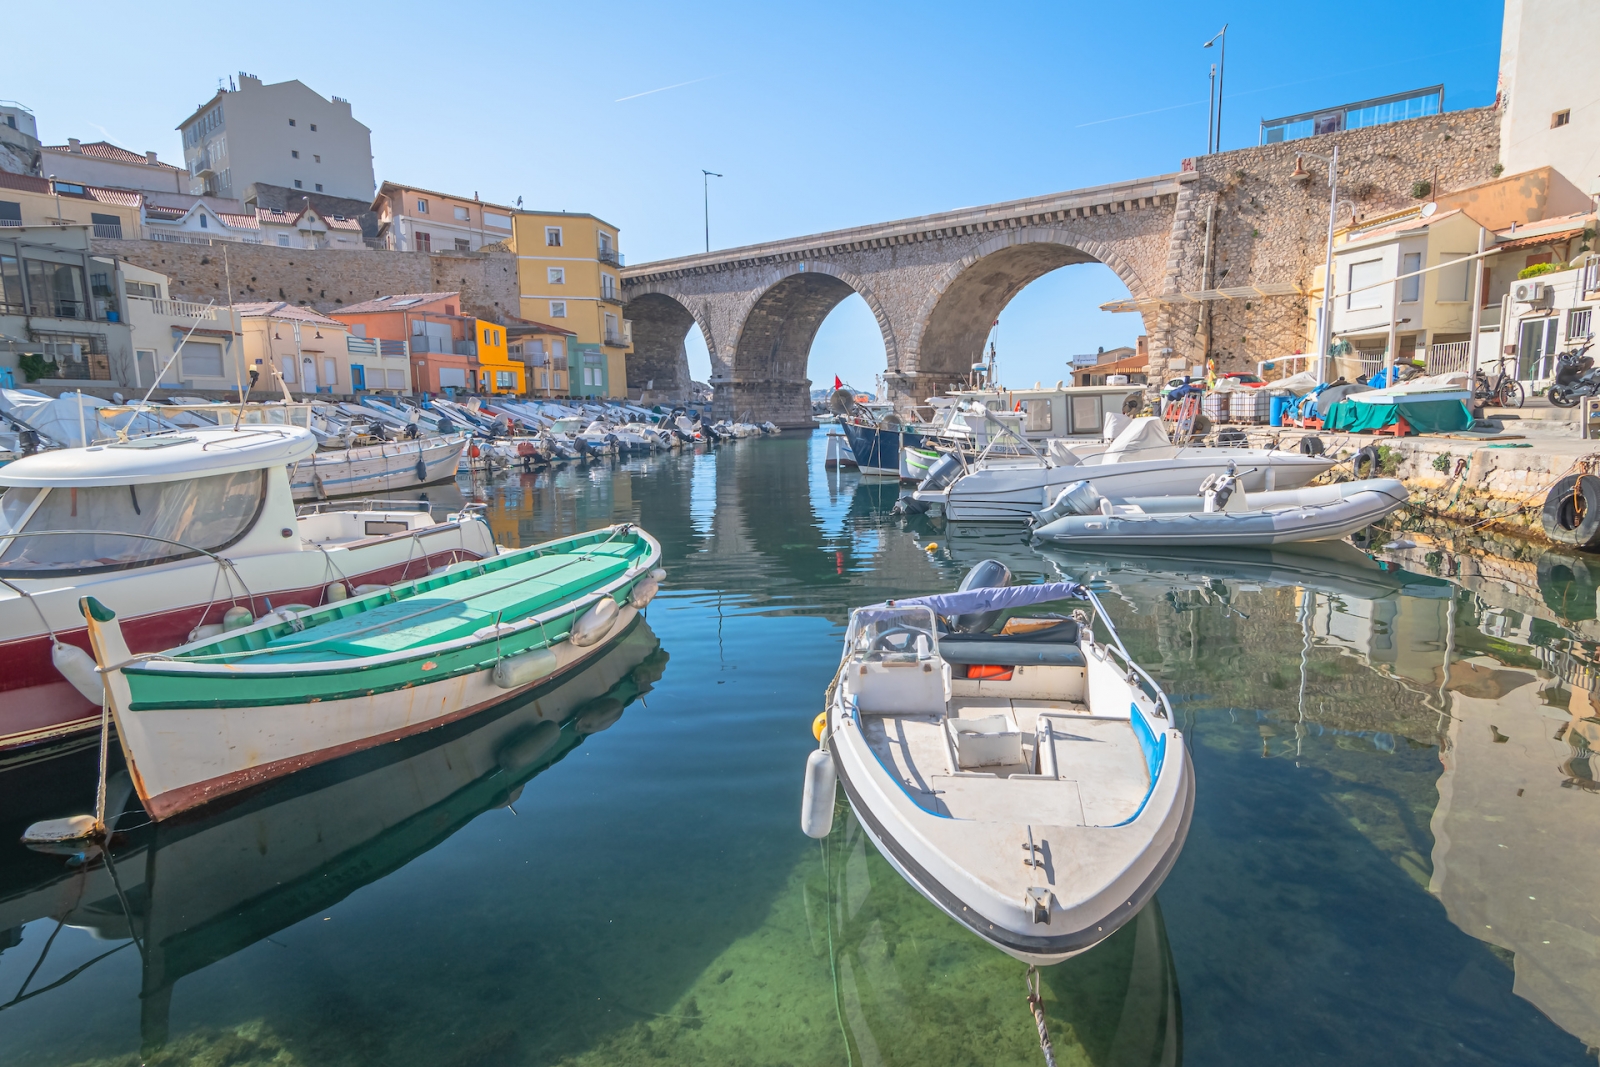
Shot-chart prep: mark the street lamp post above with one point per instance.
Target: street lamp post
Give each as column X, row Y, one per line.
column 1221, row 41
column 1211, row 109
column 1325, row 326
column 705, row 190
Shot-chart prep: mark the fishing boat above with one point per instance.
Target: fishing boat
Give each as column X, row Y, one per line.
column 215, row 716
column 180, row 533
column 1012, row 485
column 1025, row 777
column 1223, row 514
column 366, row 470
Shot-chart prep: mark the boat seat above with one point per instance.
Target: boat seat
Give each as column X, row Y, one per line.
column 1056, row 646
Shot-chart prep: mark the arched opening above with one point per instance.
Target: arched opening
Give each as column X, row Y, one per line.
column 848, row 346
column 659, row 362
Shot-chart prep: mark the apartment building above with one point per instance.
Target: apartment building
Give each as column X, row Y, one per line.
column 441, row 344
column 283, row 134
column 310, row 351
column 104, row 164
column 60, row 321
column 422, row 220
column 567, row 272
column 542, row 350
column 178, row 343
column 29, row 201
column 1549, row 97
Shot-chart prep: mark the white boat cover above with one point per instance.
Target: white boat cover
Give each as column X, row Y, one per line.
column 1140, row 440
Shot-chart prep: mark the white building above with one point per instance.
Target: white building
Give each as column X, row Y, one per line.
column 187, row 345
column 104, row 164
column 1550, row 89
column 281, row 134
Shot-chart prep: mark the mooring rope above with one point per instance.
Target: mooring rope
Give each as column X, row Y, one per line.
column 1036, row 1005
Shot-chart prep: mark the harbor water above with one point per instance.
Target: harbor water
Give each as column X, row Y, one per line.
column 1390, row 862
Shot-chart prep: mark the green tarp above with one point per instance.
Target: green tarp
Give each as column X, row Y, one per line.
column 1425, row 416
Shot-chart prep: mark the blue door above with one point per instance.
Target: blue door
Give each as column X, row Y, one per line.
column 358, row 377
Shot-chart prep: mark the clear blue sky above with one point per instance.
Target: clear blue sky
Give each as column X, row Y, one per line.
column 821, row 115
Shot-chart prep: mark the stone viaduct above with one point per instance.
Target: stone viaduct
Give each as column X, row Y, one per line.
column 934, row 283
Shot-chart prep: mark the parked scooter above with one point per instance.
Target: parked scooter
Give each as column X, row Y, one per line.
column 1576, row 378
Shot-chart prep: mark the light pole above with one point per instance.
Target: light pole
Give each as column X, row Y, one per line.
column 1325, row 327
column 1221, row 41
column 705, row 191
column 1211, row 108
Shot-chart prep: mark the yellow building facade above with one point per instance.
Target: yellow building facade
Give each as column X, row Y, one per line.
column 497, row 371
column 569, row 275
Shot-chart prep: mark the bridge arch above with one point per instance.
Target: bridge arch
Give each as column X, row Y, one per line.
column 660, row 322
column 947, row 332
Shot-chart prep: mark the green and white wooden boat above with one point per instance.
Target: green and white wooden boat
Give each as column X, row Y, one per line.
column 220, row 715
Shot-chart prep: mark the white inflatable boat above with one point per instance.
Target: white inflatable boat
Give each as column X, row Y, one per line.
column 1029, row 782
column 1315, row 513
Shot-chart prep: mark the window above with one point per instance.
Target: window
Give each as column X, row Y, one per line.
column 556, row 275
column 283, row 240
column 505, row 379
column 206, row 513
column 552, row 236
column 396, row 379
column 56, row 290
column 10, row 211
column 1037, row 415
column 204, row 225
column 463, row 215
column 316, row 158
column 611, row 328
column 497, row 220
column 1360, row 276
column 1453, row 279
column 313, row 127
column 201, row 359
column 452, row 378
column 297, row 184
column 1578, row 324
column 1411, row 288
column 608, row 286
column 294, row 153
column 146, row 290
column 288, row 369
column 291, row 122
column 319, row 187
column 330, row 371
column 422, row 206
column 605, row 242
column 424, row 242
column 558, row 309
column 10, row 286
column 1560, row 118
column 463, row 244
column 69, row 187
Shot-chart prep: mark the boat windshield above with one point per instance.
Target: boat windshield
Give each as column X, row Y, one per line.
column 892, row 635
column 111, row 527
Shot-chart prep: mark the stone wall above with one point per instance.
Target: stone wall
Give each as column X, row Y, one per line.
column 326, row 279
column 1272, row 228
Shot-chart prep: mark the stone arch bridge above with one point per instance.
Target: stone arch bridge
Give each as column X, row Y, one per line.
column 934, row 283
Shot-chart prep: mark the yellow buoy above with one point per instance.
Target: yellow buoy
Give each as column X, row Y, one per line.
column 819, row 724
column 933, row 546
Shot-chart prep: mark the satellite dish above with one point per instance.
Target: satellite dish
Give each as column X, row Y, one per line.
column 1428, row 209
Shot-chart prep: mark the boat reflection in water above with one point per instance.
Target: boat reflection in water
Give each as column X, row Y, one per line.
column 195, row 889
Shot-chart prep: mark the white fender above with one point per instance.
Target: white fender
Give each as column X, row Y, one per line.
column 77, row 667
column 593, row 625
column 644, row 592
column 514, row 672
column 816, row 803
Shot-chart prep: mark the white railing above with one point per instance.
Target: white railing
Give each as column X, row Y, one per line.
column 10, row 222
column 1450, row 357
column 176, row 309
column 188, row 239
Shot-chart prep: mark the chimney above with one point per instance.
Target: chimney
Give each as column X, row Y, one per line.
column 74, row 145
column 151, row 157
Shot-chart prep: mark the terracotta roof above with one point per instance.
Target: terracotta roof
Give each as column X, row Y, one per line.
column 238, row 222
column 277, row 218
column 396, row 302
column 107, row 150
column 125, row 197
column 26, row 182
column 1539, row 240
column 387, row 187
column 516, row 327
column 162, row 211
column 279, row 309
column 335, row 222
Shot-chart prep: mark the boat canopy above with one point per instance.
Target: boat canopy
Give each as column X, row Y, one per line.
column 167, row 457
column 1141, row 437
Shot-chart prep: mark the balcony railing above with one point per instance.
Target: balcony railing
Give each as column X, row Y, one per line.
column 112, row 232
column 445, row 346
column 177, row 309
column 188, row 239
column 465, row 348
column 611, row 296
column 1449, row 358
column 10, row 222
column 59, row 309
column 611, row 256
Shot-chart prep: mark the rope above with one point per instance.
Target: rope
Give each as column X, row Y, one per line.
column 1036, row 1005
column 833, row 965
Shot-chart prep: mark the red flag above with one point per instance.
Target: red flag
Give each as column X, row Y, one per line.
column 837, row 384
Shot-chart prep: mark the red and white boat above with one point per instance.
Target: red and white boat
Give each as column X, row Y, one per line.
column 178, row 533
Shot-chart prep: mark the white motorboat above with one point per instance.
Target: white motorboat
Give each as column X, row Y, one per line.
column 1223, row 517
column 1140, row 461
column 1030, row 782
column 380, row 468
column 182, row 534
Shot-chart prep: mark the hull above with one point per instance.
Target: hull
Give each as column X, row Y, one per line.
column 1004, row 493
column 377, row 469
column 877, row 451
column 165, row 603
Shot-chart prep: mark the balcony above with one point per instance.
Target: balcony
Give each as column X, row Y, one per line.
column 59, row 309
column 444, row 346
column 188, row 239
column 611, row 257
column 465, row 348
column 174, row 309
column 111, row 232
column 10, row 222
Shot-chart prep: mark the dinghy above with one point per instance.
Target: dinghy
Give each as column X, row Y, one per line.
column 1028, row 779
column 1230, row 516
column 216, row 716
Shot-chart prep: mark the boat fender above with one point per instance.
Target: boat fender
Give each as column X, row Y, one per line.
column 514, row 672
column 369, row 587
column 524, row 748
column 335, row 592
column 77, row 667
column 593, row 625
column 1571, row 514
column 644, row 592
column 816, row 802
column 207, row 632
column 659, row 573
column 1366, row 458
column 237, row 618
column 422, row 468
column 1311, row 446
column 819, row 724
column 599, row 714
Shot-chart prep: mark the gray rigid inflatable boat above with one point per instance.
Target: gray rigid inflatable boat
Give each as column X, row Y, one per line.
column 1315, row 513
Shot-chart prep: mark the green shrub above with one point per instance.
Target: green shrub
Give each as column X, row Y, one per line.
column 1388, row 461
column 1441, row 462
column 35, row 366
column 1537, row 269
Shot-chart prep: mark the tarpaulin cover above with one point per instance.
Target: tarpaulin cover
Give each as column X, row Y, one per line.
column 1427, row 416
column 994, row 598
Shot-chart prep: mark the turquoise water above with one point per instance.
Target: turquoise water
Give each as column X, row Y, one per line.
column 1390, row 860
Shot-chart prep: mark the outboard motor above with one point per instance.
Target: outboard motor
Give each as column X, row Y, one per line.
column 1079, row 498
column 942, row 472
column 987, row 574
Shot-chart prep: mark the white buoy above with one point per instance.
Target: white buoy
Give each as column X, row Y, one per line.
column 77, row 667
column 816, row 803
column 237, row 618
column 514, row 672
column 57, row 831
column 593, row 625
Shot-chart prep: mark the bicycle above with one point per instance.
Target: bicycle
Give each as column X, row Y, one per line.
column 1503, row 390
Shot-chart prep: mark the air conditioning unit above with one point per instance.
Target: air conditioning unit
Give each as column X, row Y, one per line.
column 1530, row 292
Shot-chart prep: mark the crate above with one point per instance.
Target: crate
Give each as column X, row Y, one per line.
column 1251, row 406
column 1214, row 406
